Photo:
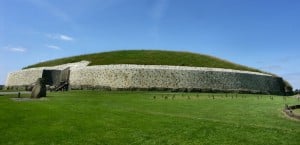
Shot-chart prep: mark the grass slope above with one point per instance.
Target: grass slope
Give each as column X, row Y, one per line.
column 149, row 57
column 91, row 117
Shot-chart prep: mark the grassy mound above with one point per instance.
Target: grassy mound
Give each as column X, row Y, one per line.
column 149, row 57
column 139, row 118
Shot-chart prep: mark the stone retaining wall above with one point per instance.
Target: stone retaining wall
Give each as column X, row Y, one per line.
column 25, row 78
column 127, row 77
column 153, row 77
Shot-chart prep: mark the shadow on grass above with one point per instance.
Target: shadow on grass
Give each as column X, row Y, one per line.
column 29, row 99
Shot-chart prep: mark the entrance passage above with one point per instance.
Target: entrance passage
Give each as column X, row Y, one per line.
column 57, row 79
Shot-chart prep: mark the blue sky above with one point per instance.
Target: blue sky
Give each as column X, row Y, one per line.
column 263, row 34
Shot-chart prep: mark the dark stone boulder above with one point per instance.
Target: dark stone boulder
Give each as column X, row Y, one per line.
column 39, row 89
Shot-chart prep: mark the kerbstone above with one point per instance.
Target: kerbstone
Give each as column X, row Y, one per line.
column 39, row 89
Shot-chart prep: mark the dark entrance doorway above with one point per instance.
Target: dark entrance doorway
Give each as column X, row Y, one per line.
column 57, row 78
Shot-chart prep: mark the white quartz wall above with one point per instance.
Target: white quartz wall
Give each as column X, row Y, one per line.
column 172, row 77
column 154, row 76
column 29, row 76
column 23, row 77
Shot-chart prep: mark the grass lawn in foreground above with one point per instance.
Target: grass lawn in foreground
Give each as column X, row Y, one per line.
column 95, row 117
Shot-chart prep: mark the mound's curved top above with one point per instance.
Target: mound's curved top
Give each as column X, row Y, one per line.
column 149, row 57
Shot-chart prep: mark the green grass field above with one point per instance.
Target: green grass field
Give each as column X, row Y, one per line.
column 115, row 118
column 149, row 57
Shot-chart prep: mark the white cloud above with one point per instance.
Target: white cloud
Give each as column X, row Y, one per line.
column 65, row 37
column 60, row 37
column 17, row 49
column 53, row 47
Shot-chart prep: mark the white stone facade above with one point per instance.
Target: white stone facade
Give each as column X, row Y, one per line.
column 156, row 77
column 29, row 76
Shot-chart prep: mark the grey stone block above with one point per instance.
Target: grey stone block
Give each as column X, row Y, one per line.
column 39, row 90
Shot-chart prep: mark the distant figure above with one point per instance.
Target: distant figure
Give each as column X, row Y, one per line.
column 39, row 89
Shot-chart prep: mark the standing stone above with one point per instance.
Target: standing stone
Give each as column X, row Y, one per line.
column 39, row 89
